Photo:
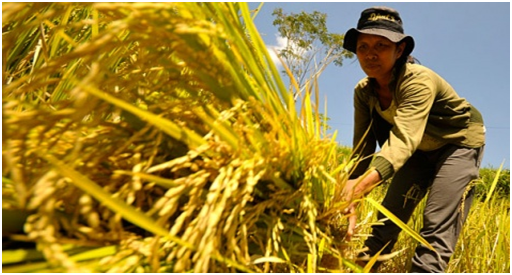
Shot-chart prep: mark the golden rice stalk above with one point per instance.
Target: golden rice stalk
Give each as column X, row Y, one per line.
column 163, row 129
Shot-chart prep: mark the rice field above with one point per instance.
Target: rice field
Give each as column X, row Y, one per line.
column 160, row 137
column 484, row 244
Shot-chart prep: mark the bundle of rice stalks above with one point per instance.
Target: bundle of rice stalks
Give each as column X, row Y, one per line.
column 151, row 137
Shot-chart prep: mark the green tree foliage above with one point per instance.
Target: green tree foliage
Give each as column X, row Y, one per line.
column 487, row 176
column 310, row 47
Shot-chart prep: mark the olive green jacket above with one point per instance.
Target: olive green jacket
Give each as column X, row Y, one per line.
column 426, row 103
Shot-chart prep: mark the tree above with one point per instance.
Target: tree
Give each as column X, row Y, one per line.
column 310, row 47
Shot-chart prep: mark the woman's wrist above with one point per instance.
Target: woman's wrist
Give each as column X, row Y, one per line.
column 383, row 167
column 369, row 182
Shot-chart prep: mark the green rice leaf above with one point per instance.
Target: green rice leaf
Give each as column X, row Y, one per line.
column 33, row 257
column 352, row 266
column 163, row 182
column 183, row 134
column 494, row 183
column 399, row 223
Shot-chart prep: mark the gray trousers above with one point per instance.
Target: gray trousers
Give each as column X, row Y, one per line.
column 446, row 172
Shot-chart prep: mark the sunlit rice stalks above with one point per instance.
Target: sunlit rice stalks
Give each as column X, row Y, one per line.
column 484, row 243
column 163, row 129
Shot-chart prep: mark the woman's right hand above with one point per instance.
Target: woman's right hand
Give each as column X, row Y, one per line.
column 352, row 191
column 350, row 210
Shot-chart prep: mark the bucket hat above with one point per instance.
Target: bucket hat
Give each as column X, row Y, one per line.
column 381, row 21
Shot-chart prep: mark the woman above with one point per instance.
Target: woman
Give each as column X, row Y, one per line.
column 429, row 139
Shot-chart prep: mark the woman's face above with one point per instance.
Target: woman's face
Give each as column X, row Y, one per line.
column 377, row 55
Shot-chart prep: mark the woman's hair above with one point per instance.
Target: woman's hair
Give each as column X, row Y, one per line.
column 413, row 60
column 405, row 59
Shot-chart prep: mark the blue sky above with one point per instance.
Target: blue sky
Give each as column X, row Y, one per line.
column 466, row 43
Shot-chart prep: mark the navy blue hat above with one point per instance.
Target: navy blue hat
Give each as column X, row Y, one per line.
column 381, row 21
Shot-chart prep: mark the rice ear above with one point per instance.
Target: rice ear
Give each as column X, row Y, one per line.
column 169, row 134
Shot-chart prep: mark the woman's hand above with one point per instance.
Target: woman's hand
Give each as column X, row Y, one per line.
column 356, row 189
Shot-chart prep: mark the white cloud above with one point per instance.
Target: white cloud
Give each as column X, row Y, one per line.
column 274, row 49
column 283, row 42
